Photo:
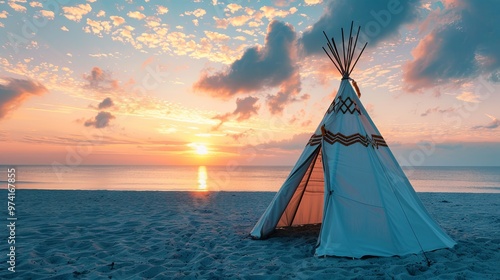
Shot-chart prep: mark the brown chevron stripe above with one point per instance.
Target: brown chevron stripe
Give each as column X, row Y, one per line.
column 379, row 140
column 347, row 140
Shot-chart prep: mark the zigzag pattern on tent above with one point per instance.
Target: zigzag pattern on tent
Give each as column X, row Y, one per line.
column 346, row 140
column 344, row 106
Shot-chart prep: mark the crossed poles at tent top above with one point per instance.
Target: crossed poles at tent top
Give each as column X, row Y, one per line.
column 344, row 63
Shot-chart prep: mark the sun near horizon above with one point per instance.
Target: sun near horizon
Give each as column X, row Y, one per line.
column 199, row 149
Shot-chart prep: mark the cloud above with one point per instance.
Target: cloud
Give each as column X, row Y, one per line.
column 76, row 13
column 233, row 7
column 469, row 97
column 297, row 142
column 221, row 22
column 312, row 2
column 438, row 110
column 462, row 46
column 245, row 108
column 161, row 10
column 136, row 14
column 117, row 20
column 100, row 121
column 258, row 68
column 216, row 36
column 17, row 7
column 239, row 20
column 46, row 14
column 74, row 139
column 97, row 27
column 288, row 93
column 36, row 4
column 271, row 12
column 378, row 20
column 100, row 79
column 13, row 92
column 238, row 136
column 106, row 103
column 491, row 125
column 197, row 13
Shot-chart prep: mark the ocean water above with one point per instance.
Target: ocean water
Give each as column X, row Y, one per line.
column 221, row 178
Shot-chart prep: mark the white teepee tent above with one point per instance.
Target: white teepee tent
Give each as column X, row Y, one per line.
column 348, row 180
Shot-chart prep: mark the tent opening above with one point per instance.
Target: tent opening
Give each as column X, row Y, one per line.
column 306, row 205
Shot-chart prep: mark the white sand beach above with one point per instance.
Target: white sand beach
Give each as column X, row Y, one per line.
column 197, row 235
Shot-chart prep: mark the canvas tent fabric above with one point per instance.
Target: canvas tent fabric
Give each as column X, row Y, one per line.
column 348, row 180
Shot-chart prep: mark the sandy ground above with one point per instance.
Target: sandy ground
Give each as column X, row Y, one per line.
column 164, row 235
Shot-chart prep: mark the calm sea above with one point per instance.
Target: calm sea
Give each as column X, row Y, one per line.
column 221, row 178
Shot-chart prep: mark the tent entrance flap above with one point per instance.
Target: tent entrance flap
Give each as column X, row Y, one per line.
column 306, row 205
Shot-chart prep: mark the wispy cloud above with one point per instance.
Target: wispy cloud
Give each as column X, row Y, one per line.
column 297, row 142
column 469, row 97
column 438, row 109
column 491, row 125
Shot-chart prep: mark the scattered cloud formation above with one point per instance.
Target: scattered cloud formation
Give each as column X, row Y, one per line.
column 102, row 120
column 378, row 20
column 463, row 45
column 106, row 103
column 491, row 125
column 245, row 108
column 13, row 92
column 75, row 13
column 258, row 68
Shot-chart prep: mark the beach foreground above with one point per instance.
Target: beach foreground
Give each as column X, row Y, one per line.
column 193, row 235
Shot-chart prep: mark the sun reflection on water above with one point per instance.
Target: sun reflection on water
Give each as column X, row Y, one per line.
column 202, row 178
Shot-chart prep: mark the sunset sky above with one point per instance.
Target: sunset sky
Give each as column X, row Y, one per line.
column 240, row 82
